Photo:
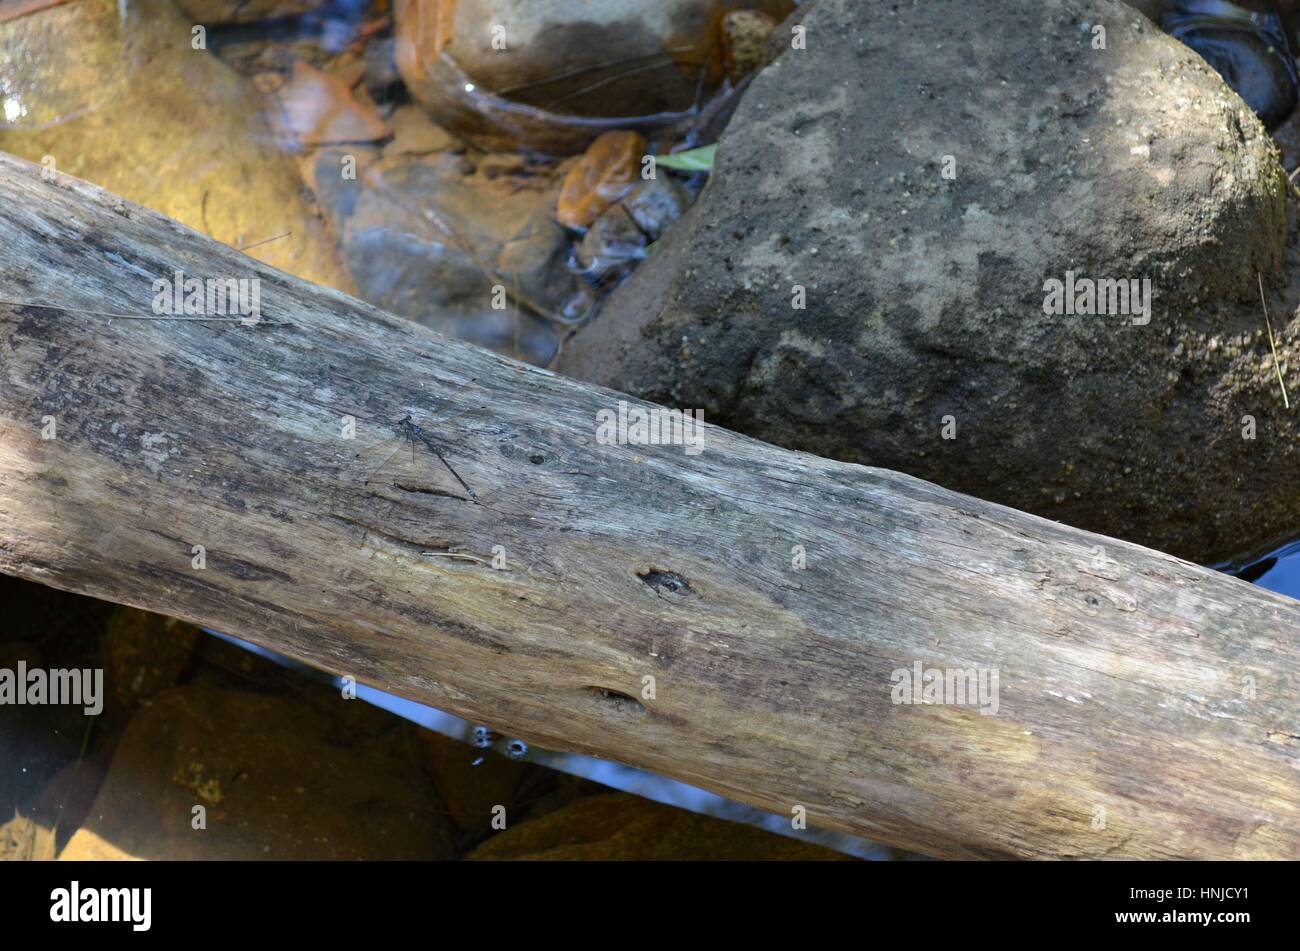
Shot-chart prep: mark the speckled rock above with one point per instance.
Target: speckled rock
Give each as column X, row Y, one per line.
column 923, row 222
column 746, row 36
column 1151, row 8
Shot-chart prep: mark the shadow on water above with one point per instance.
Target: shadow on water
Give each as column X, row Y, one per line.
column 1277, row 571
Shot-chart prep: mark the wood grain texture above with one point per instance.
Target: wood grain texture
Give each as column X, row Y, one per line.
column 13, row 9
column 1126, row 722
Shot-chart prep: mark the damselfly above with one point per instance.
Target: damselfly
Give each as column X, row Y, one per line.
column 415, row 435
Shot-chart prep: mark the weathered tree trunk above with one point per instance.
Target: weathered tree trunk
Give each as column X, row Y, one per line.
column 1145, row 707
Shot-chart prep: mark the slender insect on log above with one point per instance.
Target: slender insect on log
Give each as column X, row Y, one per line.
column 888, row 657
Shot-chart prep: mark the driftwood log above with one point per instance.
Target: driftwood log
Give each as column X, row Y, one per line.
column 733, row 618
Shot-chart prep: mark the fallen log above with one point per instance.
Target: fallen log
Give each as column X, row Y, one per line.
column 13, row 9
column 743, row 617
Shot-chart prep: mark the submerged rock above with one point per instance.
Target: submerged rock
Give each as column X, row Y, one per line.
column 880, row 296
column 552, row 76
column 278, row 777
column 620, row 213
column 656, row 204
column 125, row 102
column 470, row 782
column 319, row 109
column 611, row 247
column 626, row 828
column 620, row 237
column 468, row 248
column 746, row 35
column 414, row 133
column 604, row 174
column 220, row 12
column 145, row 653
column 1248, row 48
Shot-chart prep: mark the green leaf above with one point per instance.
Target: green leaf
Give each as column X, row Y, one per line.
column 692, row 160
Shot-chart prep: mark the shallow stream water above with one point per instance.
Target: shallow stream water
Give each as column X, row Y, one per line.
column 1277, row 571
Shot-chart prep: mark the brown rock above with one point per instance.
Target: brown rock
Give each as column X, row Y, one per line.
column 124, row 102
column 620, row 826
column 22, row 839
column 745, row 36
column 146, row 653
column 319, row 109
column 470, row 781
column 655, row 204
column 414, row 133
column 279, row 776
column 221, row 12
column 431, row 237
column 218, row 662
column 612, row 245
column 552, row 76
column 607, row 170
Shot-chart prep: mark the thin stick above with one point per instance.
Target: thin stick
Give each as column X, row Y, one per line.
column 1269, row 324
column 664, row 63
column 558, row 77
column 258, row 244
column 459, row 555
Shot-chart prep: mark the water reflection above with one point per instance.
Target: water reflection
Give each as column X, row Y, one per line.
column 1278, row 571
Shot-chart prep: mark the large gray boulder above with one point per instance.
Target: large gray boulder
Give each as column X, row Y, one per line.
column 925, row 293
